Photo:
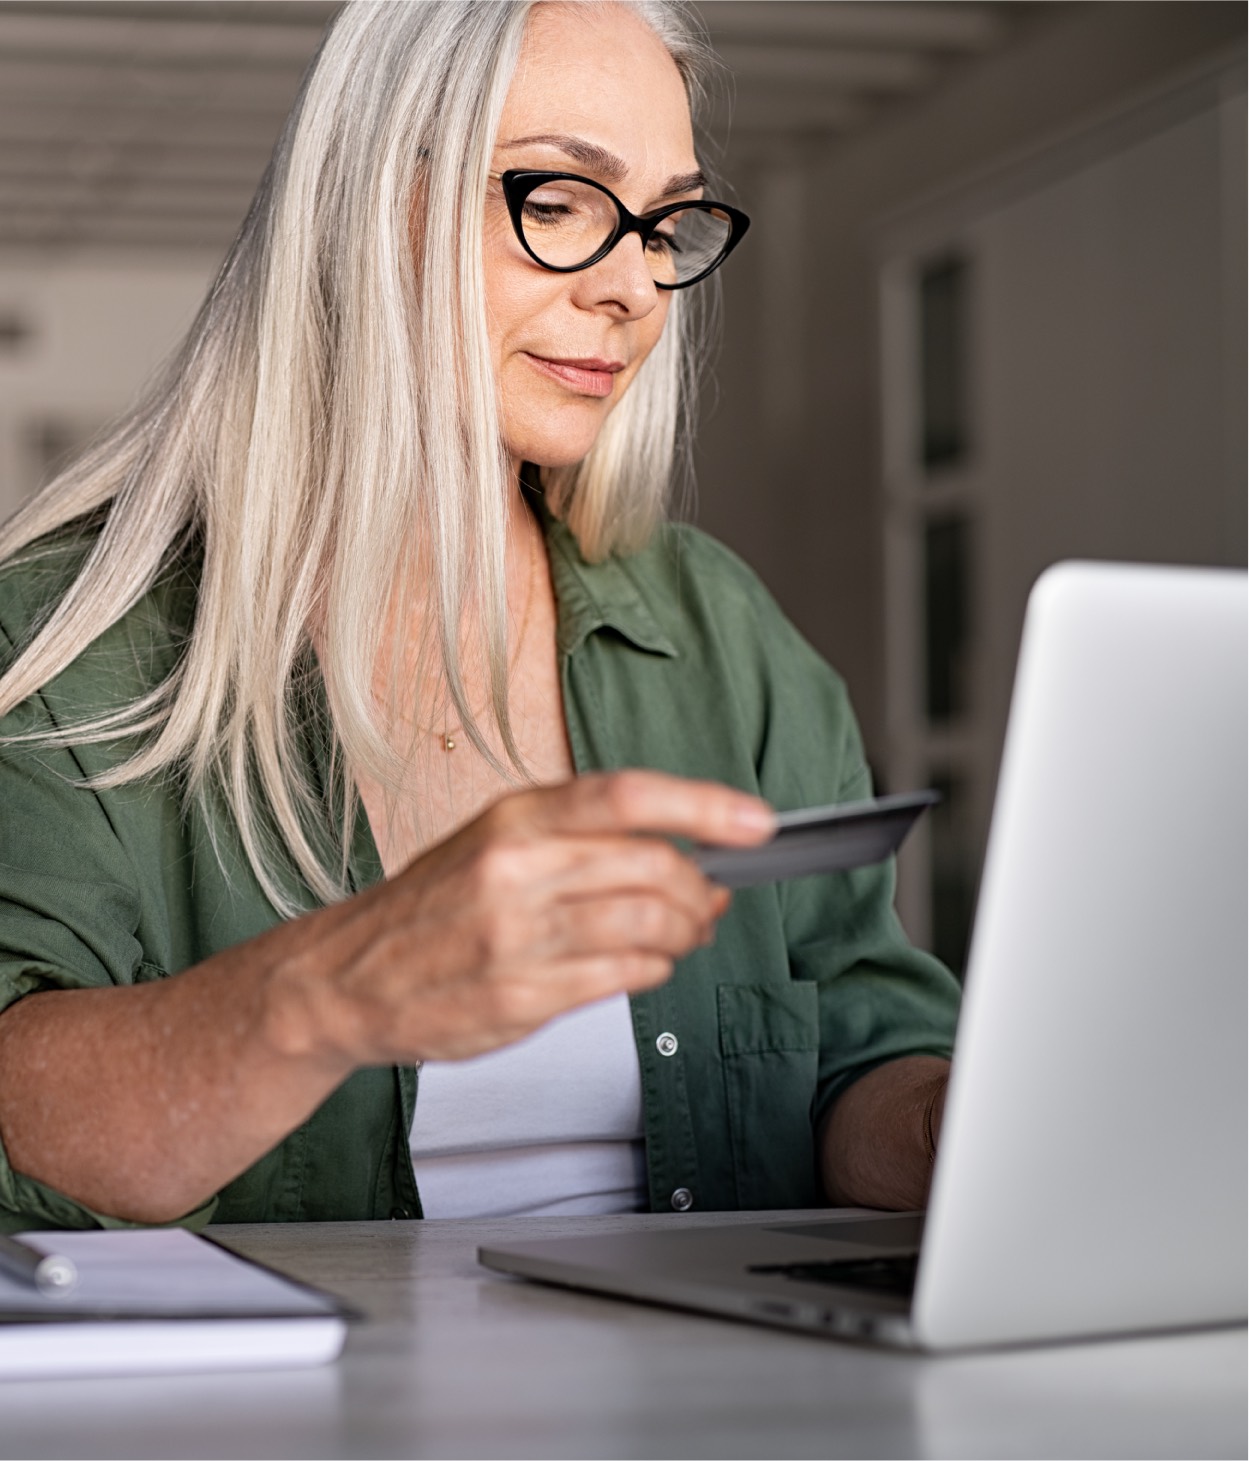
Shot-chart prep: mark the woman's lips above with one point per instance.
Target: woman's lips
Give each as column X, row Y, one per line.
column 586, row 377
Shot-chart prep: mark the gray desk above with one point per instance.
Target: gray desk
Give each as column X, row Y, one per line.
column 455, row 1361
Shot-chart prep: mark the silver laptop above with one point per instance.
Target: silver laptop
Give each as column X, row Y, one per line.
column 1091, row 1177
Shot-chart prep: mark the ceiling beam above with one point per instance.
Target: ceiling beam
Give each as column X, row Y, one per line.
column 236, row 12
column 73, row 81
column 157, row 162
column 32, row 35
column 156, row 126
column 124, row 233
column 123, row 194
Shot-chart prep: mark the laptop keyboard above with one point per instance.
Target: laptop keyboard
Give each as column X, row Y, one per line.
column 894, row 1274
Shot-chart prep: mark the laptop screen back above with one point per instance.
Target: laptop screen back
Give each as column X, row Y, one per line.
column 1092, row 1173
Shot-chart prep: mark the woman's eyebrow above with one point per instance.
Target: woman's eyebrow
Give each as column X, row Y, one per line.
column 604, row 164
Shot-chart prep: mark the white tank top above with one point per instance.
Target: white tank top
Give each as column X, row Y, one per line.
column 551, row 1125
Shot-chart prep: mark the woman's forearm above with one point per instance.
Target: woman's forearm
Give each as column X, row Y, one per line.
column 876, row 1144
column 143, row 1101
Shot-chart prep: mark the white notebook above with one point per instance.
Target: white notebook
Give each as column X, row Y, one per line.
column 159, row 1301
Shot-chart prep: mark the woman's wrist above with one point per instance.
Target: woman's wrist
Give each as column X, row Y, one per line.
column 934, row 1111
column 301, row 1015
column 880, row 1139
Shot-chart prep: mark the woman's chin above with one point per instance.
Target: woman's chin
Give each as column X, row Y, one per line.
column 548, row 450
column 551, row 462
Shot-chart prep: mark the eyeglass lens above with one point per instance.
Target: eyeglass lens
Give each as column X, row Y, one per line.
column 566, row 222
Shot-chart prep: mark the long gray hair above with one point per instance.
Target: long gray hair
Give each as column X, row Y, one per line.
column 332, row 407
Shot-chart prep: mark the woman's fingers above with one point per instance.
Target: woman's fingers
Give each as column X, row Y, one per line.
column 642, row 923
column 643, row 801
column 516, row 1006
column 558, row 868
column 614, row 902
column 569, row 983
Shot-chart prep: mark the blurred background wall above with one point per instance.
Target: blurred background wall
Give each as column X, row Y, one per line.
column 991, row 312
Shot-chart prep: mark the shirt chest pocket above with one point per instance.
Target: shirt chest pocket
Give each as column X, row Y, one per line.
column 769, row 1048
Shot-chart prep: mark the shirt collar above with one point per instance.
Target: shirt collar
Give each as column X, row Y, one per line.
column 595, row 596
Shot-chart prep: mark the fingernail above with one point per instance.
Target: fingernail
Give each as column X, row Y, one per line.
column 756, row 815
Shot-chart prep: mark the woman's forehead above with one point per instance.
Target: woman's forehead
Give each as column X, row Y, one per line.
column 599, row 75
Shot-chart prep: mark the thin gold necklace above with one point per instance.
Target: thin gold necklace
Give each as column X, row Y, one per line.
column 447, row 734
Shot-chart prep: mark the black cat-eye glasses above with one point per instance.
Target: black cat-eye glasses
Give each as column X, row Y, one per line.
column 566, row 222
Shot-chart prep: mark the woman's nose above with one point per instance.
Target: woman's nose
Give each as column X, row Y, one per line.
column 623, row 279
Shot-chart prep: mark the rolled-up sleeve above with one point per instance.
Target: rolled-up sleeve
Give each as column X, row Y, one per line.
column 69, row 910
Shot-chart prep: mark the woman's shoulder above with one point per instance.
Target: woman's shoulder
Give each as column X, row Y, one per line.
column 684, row 575
column 696, row 585
column 679, row 551
column 743, row 675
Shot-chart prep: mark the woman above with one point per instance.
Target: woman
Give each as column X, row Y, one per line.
column 308, row 663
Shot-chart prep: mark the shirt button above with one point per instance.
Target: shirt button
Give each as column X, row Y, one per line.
column 682, row 1199
column 666, row 1044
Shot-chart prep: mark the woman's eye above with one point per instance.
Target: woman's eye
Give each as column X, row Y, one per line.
column 664, row 243
column 542, row 212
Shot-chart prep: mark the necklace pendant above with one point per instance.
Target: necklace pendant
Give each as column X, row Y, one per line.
column 448, row 741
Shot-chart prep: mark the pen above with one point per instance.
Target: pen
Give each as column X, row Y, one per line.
column 51, row 1274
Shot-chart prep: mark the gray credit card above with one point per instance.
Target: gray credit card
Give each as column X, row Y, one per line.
column 819, row 840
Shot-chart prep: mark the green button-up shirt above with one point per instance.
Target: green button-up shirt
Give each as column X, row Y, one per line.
column 675, row 658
